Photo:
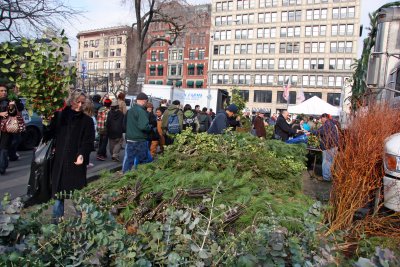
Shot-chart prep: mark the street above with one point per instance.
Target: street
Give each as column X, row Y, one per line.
column 15, row 180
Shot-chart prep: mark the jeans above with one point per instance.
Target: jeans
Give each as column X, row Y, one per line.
column 103, row 141
column 135, row 153
column 58, row 209
column 327, row 161
column 3, row 160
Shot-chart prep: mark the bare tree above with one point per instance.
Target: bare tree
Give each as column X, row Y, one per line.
column 173, row 14
column 21, row 16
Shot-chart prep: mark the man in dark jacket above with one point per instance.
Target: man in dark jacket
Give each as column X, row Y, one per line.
column 204, row 120
column 282, row 128
column 220, row 123
column 137, row 130
column 114, row 125
column 329, row 136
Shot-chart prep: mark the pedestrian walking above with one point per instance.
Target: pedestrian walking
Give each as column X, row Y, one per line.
column 74, row 138
column 114, row 126
column 102, row 130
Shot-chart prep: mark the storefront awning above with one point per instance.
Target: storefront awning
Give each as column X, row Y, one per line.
column 199, row 83
column 152, row 82
column 191, row 66
column 200, row 66
column 152, row 67
column 178, row 83
column 169, row 82
column 160, row 67
column 159, row 82
column 189, row 83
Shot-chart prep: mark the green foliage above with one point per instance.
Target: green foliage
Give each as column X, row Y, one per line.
column 36, row 68
column 238, row 100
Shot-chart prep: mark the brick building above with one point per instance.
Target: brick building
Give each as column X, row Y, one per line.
column 185, row 63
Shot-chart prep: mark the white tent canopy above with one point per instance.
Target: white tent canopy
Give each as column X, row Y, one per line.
column 314, row 106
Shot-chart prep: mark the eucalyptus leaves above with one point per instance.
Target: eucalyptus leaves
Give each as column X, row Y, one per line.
column 36, row 68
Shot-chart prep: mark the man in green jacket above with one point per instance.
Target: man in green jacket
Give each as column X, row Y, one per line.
column 137, row 130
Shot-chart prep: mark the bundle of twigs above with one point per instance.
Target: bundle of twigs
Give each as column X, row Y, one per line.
column 358, row 169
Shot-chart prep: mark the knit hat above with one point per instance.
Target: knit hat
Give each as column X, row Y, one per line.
column 142, row 96
column 107, row 102
column 232, row 108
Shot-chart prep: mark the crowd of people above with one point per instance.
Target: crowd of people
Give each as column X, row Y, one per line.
column 142, row 130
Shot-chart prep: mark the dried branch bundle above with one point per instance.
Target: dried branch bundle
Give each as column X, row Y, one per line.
column 358, row 168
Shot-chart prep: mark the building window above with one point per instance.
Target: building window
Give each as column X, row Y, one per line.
column 91, row 54
column 244, row 94
column 96, row 54
column 160, row 70
column 112, row 52
column 118, row 52
column 191, row 69
column 118, row 64
column 201, row 54
column 200, row 70
column 262, row 96
column 192, row 53
column 85, row 54
column 105, row 53
column 112, row 41
column 119, row 40
column 334, row 99
column 160, row 56
column 308, row 95
column 153, row 56
column 281, row 100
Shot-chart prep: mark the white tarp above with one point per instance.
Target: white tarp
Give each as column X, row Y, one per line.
column 314, row 106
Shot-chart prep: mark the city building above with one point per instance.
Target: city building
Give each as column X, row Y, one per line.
column 103, row 59
column 261, row 46
column 185, row 63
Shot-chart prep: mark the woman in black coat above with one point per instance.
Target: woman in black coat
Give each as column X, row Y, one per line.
column 7, row 108
column 74, row 134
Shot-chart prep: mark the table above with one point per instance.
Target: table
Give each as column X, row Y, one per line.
column 314, row 151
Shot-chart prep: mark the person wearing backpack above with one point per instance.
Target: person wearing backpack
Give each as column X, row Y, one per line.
column 204, row 120
column 190, row 119
column 172, row 122
column 102, row 130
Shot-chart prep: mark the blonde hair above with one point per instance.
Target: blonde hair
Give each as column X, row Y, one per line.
column 89, row 108
column 74, row 95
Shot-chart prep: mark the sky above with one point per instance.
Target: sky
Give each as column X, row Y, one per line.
column 108, row 13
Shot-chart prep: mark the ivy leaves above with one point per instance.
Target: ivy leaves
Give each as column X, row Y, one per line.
column 36, row 67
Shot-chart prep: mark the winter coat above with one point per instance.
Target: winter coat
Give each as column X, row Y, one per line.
column 122, row 106
column 204, row 121
column 190, row 120
column 171, row 110
column 114, row 124
column 233, row 123
column 219, row 124
column 74, row 136
column 137, row 123
column 154, row 135
column 259, row 127
column 5, row 138
column 328, row 134
column 283, row 129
